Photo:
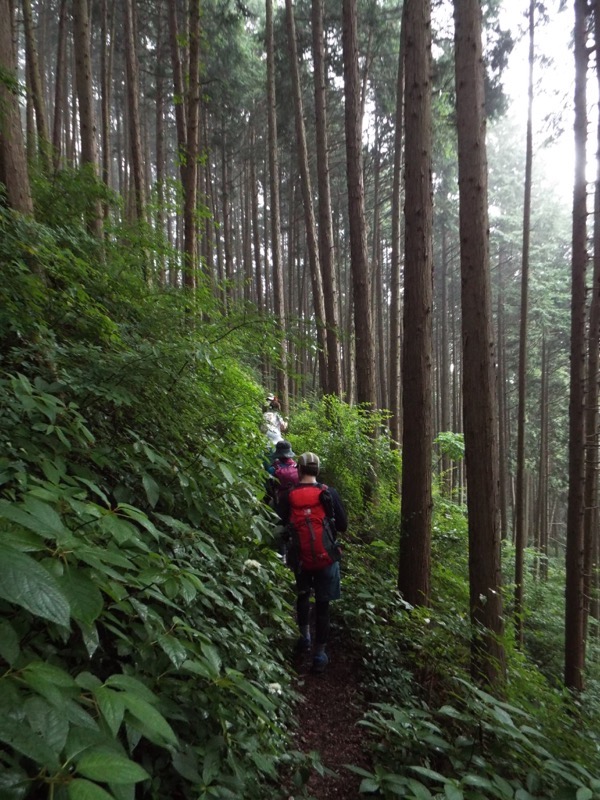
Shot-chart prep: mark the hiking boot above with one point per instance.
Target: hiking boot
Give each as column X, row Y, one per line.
column 303, row 644
column 320, row 661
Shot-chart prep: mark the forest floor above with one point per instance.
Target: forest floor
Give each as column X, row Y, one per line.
column 328, row 713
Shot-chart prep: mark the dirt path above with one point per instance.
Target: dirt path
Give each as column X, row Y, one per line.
column 328, row 719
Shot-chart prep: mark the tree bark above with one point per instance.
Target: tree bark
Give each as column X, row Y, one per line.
column 13, row 161
column 574, row 606
column 37, row 92
column 520, row 519
column 361, row 285
column 479, row 378
column 309, row 214
column 87, row 121
column 282, row 380
column 395, row 328
column 133, row 95
column 415, row 524
column 326, row 245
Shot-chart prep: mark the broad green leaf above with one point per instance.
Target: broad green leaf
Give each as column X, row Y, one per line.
column 26, row 583
column 9, row 642
column 213, row 658
column 111, row 707
column 14, row 784
column 80, row 789
column 429, row 773
column 83, row 595
column 452, row 792
column 584, row 793
column 120, row 529
column 478, row 781
column 100, row 765
column 47, row 721
column 152, row 489
column 226, row 473
column 132, row 685
column 48, row 519
column 50, row 673
column 174, row 649
column 148, row 715
column 90, row 637
column 368, row 785
column 22, row 739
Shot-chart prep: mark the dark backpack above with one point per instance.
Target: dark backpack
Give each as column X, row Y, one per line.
column 312, row 544
column 286, row 473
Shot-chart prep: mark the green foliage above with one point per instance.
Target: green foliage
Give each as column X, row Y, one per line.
column 354, row 446
column 141, row 615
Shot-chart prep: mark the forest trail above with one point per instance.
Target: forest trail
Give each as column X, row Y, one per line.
column 328, row 714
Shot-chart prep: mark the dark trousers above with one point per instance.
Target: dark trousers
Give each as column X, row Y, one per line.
column 321, row 616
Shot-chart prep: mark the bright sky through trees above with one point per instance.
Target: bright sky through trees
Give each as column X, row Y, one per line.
column 553, row 97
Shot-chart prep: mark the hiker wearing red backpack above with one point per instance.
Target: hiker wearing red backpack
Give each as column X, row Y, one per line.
column 283, row 471
column 313, row 514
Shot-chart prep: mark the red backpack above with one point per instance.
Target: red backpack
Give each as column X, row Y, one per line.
column 286, row 473
column 312, row 532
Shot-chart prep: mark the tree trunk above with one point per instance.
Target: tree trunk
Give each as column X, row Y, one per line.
column 13, row 161
column 37, row 92
column 190, row 166
column 305, row 182
column 133, row 95
column 85, row 97
column 326, row 245
column 59, row 86
column 479, row 379
column 361, row 285
column 574, row 606
column 591, row 421
column 395, row 326
column 282, row 380
column 415, row 525
column 520, row 520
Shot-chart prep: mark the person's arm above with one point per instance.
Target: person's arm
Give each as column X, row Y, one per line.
column 341, row 518
column 283, row 508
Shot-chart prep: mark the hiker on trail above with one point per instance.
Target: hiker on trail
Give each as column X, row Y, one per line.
column 283, row 472
column 274, row 424
column 314, row 514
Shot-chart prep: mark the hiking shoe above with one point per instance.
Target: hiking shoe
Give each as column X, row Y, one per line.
column 303, row 644
column 320, row 661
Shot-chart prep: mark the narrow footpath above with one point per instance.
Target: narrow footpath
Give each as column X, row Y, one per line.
column 328, row 715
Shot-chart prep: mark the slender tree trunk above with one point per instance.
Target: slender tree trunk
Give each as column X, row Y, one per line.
column 133, row 95
column 305, row 182
column 479, row 379
column 502, row 411
column 87, row 121
column 520, row 520
column 13, row 161
column 574, row 608
column 326, row 246
column 59, row 86
column 395, row 266
column 361, row 285
column 282, row 379
column 591, row 404
column 37, row 92
column 415, row 524
column 190, row 166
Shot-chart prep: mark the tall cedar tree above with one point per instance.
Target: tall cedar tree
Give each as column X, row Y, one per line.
column 415, row 530
column 479, row 378
column 282, row 380
column 361, row 284
column 520, row 521
column 574, row 607
column 13, row 162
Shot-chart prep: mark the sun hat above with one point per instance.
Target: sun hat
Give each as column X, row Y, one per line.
column 283, row 449
column 270, row 397
column 309, row 460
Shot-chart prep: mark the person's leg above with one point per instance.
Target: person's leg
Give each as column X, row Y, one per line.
column 327, row 588
column 303, row 587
